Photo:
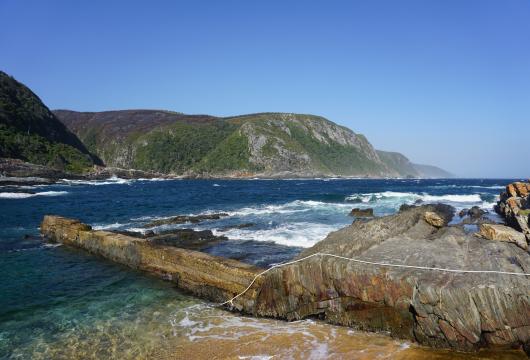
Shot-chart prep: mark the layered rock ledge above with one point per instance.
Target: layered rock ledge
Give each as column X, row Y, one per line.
column 463, row 311
column 206, row 276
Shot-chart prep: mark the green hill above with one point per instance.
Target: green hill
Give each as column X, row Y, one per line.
column 268, row 144
column 30, row 131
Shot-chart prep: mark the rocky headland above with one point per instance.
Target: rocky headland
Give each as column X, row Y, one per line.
column 457, row 289
column 158, row 143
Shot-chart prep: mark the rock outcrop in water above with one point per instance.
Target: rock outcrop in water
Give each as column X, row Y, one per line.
column 463, row 311
column 514, row 206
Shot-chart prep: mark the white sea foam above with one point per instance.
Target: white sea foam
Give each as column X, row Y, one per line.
column 395, row 199
column 157, row 179
column 303, row 234
column 21, row 195
column 113, row 226
column 473, row 198
column 110, row 181
column 288, row 208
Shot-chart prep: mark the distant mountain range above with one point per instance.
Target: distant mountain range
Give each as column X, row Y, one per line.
column 262, row 145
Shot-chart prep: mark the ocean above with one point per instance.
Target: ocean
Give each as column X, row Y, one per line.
column 60, row 302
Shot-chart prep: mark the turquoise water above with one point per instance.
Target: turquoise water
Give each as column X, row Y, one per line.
column 59, row 302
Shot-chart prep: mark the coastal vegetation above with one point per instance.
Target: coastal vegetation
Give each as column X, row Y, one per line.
column 31, row 132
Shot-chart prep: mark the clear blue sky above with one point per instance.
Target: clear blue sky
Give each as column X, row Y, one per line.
column 445, row 82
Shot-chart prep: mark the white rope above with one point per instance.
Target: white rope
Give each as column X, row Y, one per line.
column 371, row 263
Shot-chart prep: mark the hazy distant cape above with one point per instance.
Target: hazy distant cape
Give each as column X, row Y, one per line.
column 265, row 144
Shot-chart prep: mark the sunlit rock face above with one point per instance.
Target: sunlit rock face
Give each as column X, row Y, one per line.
column 442, row 309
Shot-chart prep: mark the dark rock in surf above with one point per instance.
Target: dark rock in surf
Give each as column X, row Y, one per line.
column 362, row 213
column 182, row 238
column 182, row 219
column 475, row 212
column 238, row 226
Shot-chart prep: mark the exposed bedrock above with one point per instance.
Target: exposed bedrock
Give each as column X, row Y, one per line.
column 463, row 311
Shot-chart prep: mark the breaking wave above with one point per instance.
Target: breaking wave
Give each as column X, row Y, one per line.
column 22, row 195
column 396, row 199
column 110, row 181
column 302, row 234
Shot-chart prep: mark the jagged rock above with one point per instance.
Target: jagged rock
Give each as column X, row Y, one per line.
column 503, row 233
column 514, row 206
column 182, row 219
column 362, row 212
column 475, row 212
column 434, row 219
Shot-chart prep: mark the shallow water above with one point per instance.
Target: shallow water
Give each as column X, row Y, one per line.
column 59, row 302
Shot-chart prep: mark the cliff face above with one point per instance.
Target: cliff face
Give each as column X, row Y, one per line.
column 267, row 144
column 30, row 131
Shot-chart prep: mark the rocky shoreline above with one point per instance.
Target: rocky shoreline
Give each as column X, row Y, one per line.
column 19, row 172
column 445, row 309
